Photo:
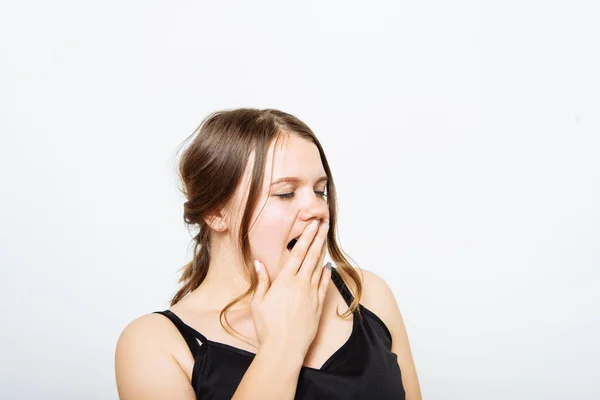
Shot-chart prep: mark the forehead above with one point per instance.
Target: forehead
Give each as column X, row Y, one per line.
column 292, row 156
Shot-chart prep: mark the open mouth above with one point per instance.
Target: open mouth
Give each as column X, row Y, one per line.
column 292, row 243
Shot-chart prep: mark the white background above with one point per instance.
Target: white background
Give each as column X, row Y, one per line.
column 463, row 137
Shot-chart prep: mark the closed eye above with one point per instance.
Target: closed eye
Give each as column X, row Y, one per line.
column 291, row 195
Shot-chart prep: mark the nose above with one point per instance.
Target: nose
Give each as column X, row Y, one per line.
column 316, row 209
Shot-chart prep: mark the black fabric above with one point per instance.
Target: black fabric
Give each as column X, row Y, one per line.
column 363, row 368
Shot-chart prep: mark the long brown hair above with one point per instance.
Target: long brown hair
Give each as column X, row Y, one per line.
column 211, row 168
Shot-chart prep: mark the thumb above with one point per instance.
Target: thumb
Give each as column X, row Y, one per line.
column 263, row 281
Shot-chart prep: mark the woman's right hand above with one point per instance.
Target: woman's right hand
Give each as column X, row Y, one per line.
column 286, row 312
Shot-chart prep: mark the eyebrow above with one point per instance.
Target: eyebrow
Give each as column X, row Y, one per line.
column 294, row 179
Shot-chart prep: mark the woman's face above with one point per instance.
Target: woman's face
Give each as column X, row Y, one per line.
column 289, row 206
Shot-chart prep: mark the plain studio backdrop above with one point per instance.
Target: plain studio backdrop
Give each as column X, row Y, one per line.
column 463, row 138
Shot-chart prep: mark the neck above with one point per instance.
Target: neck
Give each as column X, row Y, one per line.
column 225, row 279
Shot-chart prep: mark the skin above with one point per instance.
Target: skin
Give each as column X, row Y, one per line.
column 153, row 361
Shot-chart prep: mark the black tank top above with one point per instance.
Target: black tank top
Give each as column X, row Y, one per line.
column 363, row 368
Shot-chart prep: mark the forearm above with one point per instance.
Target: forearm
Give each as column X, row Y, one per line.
column 273, row 374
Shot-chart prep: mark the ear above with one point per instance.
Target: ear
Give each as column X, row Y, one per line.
column 216, row 222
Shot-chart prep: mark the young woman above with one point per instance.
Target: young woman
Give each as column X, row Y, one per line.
column 258, row 315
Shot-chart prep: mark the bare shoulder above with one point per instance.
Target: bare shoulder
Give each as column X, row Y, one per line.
column 145, row 365
column 379, row 298
column 152, row 326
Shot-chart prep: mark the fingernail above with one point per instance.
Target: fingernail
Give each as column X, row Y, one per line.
column 313, row 225
column 328, row 265
column 257, row 265
column 325, row 225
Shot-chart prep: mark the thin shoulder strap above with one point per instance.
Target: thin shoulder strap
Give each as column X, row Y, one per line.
column 341, row 285
column 188, row 333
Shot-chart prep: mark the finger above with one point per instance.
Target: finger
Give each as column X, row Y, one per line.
column 263, row 282
column 310, row 261
column 316, row 276
column 322, row 290
column 299, row 251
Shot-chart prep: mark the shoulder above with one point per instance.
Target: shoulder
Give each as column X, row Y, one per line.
column 145, row 365
column 145, row 331
column 378, row 297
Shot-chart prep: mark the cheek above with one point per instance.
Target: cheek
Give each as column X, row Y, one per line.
column 269, row 236
column 274, row 224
